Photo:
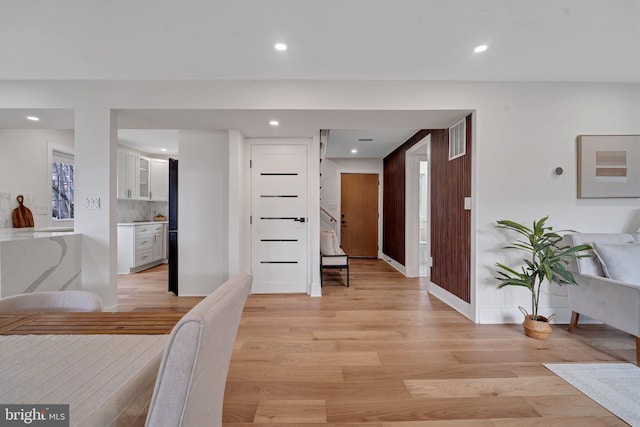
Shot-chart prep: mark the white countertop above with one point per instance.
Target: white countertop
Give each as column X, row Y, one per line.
column 15, row 234
column 143, row 222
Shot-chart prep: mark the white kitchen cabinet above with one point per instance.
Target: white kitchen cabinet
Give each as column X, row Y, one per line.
column 127, row 175
column 144, row 167
column 140, row 246
column 159, row 180
column 142, row 178
column 157, row 246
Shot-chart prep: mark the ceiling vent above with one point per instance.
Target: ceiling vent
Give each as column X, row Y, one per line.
column 458, row 139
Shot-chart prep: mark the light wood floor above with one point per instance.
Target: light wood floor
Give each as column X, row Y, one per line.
column 384, row 353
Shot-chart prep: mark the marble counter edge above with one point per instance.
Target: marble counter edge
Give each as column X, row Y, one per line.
column 143, row 222
column 13, row 235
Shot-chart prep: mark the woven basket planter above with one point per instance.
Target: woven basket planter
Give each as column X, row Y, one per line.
column 539, row 329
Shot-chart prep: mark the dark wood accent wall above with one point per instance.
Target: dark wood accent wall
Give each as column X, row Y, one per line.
column 393, row 203
column 450, row 222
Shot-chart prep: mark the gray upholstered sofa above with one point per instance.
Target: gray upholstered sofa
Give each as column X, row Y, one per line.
column 608, row 282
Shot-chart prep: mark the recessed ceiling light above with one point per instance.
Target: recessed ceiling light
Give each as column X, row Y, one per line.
column 274, row 123
column 480, row 48
column 33, row 118
column 163, row 149
column 354, row 151
column 280, row 46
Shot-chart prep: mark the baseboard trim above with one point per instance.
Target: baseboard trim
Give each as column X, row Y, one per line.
column 452, row 301
column 511, row 315
column 395, row 264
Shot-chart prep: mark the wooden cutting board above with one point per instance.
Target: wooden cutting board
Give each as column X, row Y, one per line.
column 22, row 216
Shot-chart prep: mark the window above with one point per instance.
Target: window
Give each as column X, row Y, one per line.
column 62, row 185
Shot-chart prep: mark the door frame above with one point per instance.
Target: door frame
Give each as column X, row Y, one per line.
column 413, row 157
column 313, row 202
column 339, row 173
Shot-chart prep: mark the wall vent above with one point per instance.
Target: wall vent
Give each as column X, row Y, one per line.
column 458, row 139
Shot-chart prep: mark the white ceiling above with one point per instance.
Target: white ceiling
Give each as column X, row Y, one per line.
column 382, row 142
column 541, row 40
column 162, row 142
column 16, row 118
column 529, row 40
column 149, row 130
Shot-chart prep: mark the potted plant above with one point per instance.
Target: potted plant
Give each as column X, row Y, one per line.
column 545, row 260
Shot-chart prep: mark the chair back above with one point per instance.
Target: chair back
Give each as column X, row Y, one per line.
column 190, row 386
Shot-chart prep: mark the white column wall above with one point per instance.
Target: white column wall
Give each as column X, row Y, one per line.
column 239, row 196
column 203, row 211
column 96, row 141
column 314, row 288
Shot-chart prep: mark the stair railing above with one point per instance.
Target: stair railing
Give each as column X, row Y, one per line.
column 328, row 219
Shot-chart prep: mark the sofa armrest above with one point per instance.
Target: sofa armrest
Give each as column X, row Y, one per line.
column 610, row 301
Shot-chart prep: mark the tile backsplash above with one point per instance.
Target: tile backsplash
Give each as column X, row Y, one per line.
column 8, row 203
column 138, row 210
column 128, row 210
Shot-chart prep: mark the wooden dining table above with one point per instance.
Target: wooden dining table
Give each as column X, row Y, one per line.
column 102, row 364
column 72, row 323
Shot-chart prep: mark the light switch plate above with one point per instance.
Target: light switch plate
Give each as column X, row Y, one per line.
column 467, row 203
column 93, row 203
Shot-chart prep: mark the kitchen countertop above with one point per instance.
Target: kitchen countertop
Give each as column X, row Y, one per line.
column 16, row 234
column 143, row 222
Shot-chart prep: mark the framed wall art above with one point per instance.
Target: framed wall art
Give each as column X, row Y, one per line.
column 608, row 166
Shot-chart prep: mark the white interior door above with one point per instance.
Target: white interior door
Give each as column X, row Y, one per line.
column 279, row 218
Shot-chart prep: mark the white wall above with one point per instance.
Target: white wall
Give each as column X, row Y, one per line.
column 25, row 169
column 239, row 205
column 203, row 211
column 96, row 170
column 522, row 135
column 522, row 131
column 330, row 183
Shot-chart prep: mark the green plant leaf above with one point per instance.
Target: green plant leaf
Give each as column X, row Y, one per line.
column 544, row 258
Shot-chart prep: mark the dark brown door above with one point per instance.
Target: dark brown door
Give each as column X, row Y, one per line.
column 359, row 214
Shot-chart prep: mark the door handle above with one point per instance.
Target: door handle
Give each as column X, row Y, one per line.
column 300, row 219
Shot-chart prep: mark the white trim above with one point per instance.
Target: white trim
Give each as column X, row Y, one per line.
column 412, row 220
column 512, row 315
column 236, row 148
column 473, row 274
column 451, row 300
column 395, row 264
column 313, row 208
